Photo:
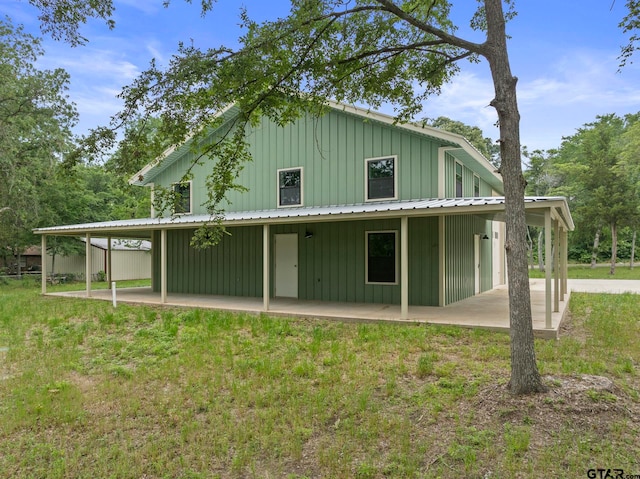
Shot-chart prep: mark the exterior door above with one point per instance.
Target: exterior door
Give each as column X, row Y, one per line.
column 286, row 265
column 476, row 263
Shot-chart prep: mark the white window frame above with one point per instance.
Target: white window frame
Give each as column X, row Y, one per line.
column 455, row 179
column 366, row 257
column 190, row 183
column 301, row 186
column 395, row 177
column 474, row 185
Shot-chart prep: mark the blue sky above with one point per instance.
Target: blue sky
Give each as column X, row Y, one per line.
column 564, row 53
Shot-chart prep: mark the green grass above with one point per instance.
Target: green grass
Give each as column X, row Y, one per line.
column 580, row 271
column 91, row 391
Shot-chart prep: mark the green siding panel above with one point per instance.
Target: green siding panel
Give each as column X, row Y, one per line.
column 331, row 150
column 331, row 264
column 459, row 256
column 233, row 268
column 467, row 179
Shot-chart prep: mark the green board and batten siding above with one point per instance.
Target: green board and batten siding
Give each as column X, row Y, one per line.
column 460, row 232
column 331, row 263
column 331, row 150
column 467, row 180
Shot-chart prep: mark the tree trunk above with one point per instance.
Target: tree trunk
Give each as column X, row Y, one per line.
column 541, row 250
column 633, row 250
column 594, row 251
column 614, row 247
column 18, row 267
column 525, row 378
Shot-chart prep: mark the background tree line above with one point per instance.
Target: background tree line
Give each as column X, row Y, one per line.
column 37, row 187
column 598, row 170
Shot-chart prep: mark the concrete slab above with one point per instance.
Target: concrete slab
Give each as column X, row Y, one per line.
column 610, row 286
column 488, row 310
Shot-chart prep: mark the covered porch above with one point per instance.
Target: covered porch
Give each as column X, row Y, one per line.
column 488, row 310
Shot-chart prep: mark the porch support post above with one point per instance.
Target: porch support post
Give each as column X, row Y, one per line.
column 109, row 275
column 404, row 267
column 163, row 266
column 547, row 267
column 265, row 267
column 556, row 266
column 43, row 261
column 441, row 261
column 88, row 264
column 565, row 257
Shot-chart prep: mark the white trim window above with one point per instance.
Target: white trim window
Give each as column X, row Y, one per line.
column 381, row 257
column 381, row 178
column 459, row 189
column 184, row 198
column 476, row 186
column 290, row 187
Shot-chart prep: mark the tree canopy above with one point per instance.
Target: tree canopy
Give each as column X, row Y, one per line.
column 35, row 132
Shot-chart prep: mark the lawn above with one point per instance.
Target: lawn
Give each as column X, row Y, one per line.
column 88, row 391
column 601, row 271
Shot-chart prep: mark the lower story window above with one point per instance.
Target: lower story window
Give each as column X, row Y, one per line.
column 381, row 257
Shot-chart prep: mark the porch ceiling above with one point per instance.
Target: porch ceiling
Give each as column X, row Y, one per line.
column 488, row 207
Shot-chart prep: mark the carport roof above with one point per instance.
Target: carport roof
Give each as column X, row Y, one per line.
column 488, row 207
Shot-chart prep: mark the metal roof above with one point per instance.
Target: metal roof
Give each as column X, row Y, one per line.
column 489, row 207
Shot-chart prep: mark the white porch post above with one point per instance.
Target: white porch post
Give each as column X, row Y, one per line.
column 556, row 266
column 547, row 267
column 43, row 261
column 265, row 267
column 163, row 266
column 404, row 267
column 441, row 261
column 109, row 275
column 565, row 257
column 88, row 264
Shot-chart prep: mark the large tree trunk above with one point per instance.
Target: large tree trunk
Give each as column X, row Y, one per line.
column 614, row 247
column 594, row 251
column 525, row 378
column 633, row 250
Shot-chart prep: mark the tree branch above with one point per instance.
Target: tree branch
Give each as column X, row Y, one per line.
column 389, row 6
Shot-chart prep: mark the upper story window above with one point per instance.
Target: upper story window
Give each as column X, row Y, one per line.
column 182, row 205
column 290, row 187
column 476, row 186
column 381, row 178
column 459, row 191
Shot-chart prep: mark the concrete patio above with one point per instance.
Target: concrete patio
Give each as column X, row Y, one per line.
column 488, row 310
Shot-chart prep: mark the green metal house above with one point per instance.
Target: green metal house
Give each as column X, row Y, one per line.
column 348, row 207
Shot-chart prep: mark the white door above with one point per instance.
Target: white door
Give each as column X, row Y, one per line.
column 476, row 262
column 286, row 265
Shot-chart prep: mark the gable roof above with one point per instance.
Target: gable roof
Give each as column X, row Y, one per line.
column 457, row 145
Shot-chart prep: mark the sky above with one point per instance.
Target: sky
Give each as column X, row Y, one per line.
column 564, row 53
